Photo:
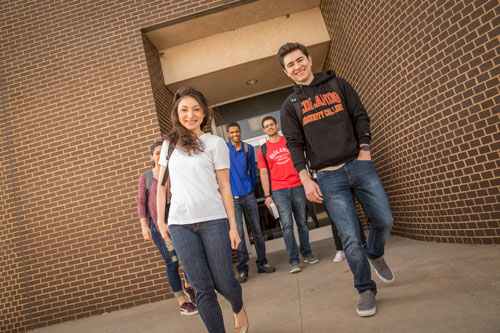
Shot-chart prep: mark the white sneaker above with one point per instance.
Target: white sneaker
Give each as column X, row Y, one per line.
column 339, row 256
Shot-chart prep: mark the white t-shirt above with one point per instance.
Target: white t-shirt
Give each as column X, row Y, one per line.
column 194, row 187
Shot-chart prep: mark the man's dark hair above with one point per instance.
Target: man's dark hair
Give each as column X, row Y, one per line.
column 233, row 125
column 266, row 118
column 290, row 47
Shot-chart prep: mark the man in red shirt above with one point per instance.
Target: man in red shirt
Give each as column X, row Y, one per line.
column 282, row 187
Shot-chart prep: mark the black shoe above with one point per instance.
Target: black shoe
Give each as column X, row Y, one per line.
column 265, row 269
column 242, row 277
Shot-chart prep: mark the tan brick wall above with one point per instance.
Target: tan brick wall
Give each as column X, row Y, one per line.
column 78, row 116
column 427, row 72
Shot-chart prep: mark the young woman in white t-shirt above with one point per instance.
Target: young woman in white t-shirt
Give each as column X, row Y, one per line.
column 201, row 221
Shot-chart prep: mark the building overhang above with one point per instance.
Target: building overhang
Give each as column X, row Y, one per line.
column 231, row 54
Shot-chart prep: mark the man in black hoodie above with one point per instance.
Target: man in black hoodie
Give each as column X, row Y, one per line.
column 325, row 118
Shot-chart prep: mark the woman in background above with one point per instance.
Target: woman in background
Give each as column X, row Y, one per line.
column 146, row 205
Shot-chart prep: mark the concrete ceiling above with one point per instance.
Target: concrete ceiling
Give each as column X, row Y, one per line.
column 220, row 52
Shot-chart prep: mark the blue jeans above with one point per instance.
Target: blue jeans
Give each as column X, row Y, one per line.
column 249, row 203
column 205, row 253
column 358, row 178
column 294, row 200
column 174, row 280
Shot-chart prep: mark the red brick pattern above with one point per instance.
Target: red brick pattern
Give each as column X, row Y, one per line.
column 78, row 117
column 427, row 72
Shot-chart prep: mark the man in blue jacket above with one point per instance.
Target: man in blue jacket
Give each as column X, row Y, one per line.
column 242, row 177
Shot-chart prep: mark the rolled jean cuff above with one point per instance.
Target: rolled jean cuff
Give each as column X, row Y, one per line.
column 179, row 293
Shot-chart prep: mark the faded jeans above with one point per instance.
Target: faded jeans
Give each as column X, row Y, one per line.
column 358, row 178
column 288, row 201
column 174, row 280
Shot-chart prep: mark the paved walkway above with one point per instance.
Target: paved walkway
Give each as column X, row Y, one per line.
column 438, row 288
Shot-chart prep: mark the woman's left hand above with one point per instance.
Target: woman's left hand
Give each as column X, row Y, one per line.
column 234, row 238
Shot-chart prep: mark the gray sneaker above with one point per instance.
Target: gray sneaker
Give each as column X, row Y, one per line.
column 295, row 268
column 383, row 270
column 311, row 260
column 366, row 306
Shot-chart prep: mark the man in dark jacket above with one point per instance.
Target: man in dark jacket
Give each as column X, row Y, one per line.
column 325, row 118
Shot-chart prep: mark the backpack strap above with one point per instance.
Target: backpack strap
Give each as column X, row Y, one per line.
column 264, row 154
column 148, row 176
column 149, row 179
column 296, row 105
column 169, row 153
column 245, row 149
column 334, row 85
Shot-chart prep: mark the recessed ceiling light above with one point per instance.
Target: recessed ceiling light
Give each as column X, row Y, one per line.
column 252, row 82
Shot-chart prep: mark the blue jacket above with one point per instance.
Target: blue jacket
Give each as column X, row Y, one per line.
column 242, row 183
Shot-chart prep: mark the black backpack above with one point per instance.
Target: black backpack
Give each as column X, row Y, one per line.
column 169, row 153
column 245, row 149
column 149, row 180
column 264, row 153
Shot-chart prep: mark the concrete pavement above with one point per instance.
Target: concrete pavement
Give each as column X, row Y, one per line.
column 438, row 288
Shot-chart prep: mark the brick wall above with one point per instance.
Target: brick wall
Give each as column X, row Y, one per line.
column 79, row 111
column 427, row 72
column 162, row 96
column 78, row 116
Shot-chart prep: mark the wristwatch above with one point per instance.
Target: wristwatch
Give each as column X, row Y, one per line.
column 367, row 148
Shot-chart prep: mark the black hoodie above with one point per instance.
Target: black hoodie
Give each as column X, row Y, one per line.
column 332, row 126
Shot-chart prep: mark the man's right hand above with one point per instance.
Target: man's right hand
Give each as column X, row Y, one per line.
column 313, row 193
column 268, row 202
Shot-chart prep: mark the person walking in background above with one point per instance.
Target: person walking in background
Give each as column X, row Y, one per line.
column 146, row 205
column 325, row 118
column 201, row 221
column 243, row 178
column 282, row 186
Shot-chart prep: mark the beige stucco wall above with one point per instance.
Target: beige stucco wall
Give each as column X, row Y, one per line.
column 240, row 46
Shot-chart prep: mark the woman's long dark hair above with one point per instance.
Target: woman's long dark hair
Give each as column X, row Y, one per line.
column 181, row 137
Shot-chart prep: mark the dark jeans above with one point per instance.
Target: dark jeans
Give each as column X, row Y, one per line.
column 205, row 253
column 294, row 200
column 249, row 204
column 336, row 237
column 174, row 280
column 358, row 178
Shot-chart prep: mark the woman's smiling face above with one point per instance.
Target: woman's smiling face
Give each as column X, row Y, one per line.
column 190, row 114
